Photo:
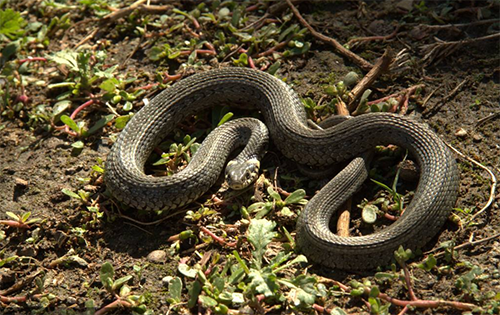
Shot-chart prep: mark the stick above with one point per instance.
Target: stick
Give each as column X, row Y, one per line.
column 380, row 67
column 362, row 63
column 113, row 16
column 467, row 244
column 445, row 99
column 493, row 182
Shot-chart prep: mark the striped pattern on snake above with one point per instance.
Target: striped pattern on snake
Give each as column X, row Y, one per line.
column 286, row 119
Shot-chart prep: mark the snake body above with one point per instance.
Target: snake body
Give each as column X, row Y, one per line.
column 286, row 119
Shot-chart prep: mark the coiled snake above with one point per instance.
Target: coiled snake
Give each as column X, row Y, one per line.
column 286, row 119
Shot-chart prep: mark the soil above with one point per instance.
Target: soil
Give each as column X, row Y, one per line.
column 36, row 164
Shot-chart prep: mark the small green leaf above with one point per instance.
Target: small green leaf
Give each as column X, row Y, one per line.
column 78, row 145
column 67, row 58
column 207, row 301
column 260, row 234
column 237, row 298
column 306, row 292
column 121, row 122
column 243, row 59
column 295, row 197
column 13, row 216
column 225, row 118
column 221, row 309
column 286, row 212
column 61, row 85
column 369, row 213
column 70, row 193
column 274, row 67
column 337, row 311
column 275, row 195
column 119, row 282
column 106, row 275
column 256, row 207
column 98, row 169
column 194, row 293
column 402, row 255
column 26, row 216
column 429, row 263
column 374, row 291
column 382, row 277
column 175, row 289
column 7, row 260
column 264, row 283
column 124, row 291
column 109, row 85
column 11, row 24
column 187, row 271
column 100, row 123
column 60, row 107
column 241, row 263
column 70, row 123
column 128, row 106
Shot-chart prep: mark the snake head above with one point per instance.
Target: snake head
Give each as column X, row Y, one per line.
column 240, row 175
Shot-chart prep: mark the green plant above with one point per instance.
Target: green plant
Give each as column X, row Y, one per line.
column 283, row 206
column 122, row 292
column 178, row 154
column 82, row 195
column 11, row 25
column 19, row 220
column 239, row 280
column 468, row 283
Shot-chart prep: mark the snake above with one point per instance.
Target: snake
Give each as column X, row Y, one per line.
column 286, row 125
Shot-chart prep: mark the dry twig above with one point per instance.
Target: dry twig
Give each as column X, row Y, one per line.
column 355, row 41
column 380, row 67
column 362, row 63
column 467, row 244
column 493, row 182
column 442, row 49
column 444, row 99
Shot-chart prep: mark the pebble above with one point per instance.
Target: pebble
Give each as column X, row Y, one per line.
column 7, row 276
column 71, row 300
column 461, row 133
column 20, row 182
column 406, row 5
column 157, row 256
column 477, row 137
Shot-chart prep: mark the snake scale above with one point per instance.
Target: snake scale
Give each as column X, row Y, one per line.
column 286, row 120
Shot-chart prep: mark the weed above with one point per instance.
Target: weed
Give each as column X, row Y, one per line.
column 239, row 280
column 123, row 293
column 82, row 195
column 277, row 203
column 19, row 221
column 11, row 25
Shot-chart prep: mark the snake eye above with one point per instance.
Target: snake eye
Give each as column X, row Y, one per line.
column 248, row 175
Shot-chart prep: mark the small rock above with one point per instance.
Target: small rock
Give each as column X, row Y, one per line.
column 21, row 182
column 477, row 137
column 406, row 5
column 461, row 133
column 7, row 276
column 157, row 256
column 27, row 251
column 71, row 300
column 409, row 171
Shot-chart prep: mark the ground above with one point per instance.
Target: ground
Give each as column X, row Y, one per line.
column 58, row 263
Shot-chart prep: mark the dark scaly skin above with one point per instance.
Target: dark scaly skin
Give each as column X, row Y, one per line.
column 286, row 119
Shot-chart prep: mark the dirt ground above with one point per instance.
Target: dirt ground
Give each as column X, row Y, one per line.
column 459, row 101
